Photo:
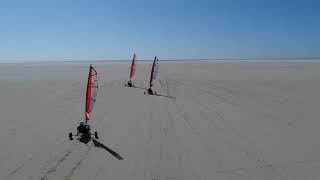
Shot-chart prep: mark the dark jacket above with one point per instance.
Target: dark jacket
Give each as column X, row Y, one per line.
column 82, row 129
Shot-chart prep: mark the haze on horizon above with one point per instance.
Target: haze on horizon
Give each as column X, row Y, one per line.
column 36, row 30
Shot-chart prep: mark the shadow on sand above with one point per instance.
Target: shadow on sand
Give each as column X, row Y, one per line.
column 138, row 87
column 102, row 146
column 86, row 138
column 164, row 96
column 156, row 94
column 126, row 84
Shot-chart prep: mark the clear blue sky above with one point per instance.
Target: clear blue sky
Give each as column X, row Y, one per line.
column 101, row 29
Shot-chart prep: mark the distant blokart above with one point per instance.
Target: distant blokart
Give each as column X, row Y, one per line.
column 132, row 72
column 153, row 76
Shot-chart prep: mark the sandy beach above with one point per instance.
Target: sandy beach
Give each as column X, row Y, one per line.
column 212, row 120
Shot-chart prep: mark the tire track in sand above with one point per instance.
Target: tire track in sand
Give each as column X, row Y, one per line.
column 78, row 164
column 55, row 167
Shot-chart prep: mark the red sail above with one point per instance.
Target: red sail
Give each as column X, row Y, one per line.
column 92, row 90
column 154, row 71
column 132, row 68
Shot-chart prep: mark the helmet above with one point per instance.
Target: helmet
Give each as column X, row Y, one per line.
column 81, row 123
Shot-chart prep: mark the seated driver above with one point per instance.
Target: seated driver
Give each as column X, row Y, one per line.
column 82, row 128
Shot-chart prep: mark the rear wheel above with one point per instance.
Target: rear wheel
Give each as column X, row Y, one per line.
column 70, row 136
column 96, row 135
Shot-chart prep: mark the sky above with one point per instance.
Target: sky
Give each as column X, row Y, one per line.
column 49, row 30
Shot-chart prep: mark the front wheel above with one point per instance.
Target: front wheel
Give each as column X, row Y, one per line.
column 96, row 135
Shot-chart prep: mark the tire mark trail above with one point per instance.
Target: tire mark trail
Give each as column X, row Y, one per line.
column 256, row 157
column 57, row 164
column 97, row 173
column 78, row 164
column 275, row 98
column 235, row 171
column 176, row 119
column 167, row 132
column 220, row 98
column 184, row 117
column 180, row 107
column 13, row 172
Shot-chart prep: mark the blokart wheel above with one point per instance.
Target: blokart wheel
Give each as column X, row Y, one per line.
column 96, row 135
column 70, row 136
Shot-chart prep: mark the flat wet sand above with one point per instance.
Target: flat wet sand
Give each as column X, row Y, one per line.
column 211, row 120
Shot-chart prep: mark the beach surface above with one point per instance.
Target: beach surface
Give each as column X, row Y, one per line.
column 211, row 120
